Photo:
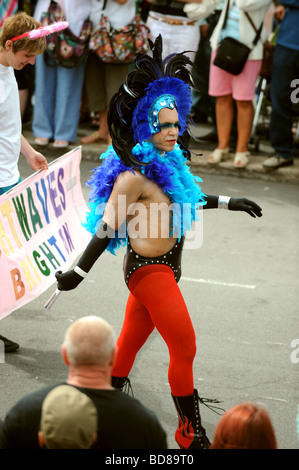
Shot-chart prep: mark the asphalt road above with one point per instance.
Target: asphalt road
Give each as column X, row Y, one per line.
column 241, row 288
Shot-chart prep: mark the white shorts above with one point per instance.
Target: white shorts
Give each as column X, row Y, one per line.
column 176, row 38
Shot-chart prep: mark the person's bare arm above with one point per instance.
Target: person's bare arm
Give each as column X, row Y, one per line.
column 126, row 191
column 35, row 159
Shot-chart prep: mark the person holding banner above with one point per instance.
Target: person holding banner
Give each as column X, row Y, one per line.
column 15, row 54
column 145, row 168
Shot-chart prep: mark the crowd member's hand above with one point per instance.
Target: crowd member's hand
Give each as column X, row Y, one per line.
column 38, row 162
column 279, row 12
column 242, row 204
column 35, row 159
column 68, row 281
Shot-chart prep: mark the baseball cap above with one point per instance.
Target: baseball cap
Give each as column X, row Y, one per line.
column 69, row 419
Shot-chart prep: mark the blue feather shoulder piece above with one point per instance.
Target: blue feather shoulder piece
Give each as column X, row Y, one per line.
column 169, row 171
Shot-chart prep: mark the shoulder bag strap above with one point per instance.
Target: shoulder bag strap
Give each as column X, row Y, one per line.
column 258, row 31
column 226, row 14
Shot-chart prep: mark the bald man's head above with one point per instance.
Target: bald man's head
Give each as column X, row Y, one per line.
column 89, row 341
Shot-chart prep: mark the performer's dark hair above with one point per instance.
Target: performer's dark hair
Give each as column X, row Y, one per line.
column 122, row 105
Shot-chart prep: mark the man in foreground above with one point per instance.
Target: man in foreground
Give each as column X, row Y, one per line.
column 89, row 351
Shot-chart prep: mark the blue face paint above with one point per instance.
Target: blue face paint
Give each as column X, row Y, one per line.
column 163, row 101
column 168, row 125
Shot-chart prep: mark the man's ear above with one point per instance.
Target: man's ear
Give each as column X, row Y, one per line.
column 64, row 355
column 41, row 439
column 113, row 356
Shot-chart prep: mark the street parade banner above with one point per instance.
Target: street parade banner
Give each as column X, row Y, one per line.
column 40, row 231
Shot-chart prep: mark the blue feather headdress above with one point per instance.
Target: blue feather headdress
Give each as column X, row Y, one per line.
column 128, row 114
column 142, row 116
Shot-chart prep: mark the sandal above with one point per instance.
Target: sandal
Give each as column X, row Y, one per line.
column 217, row 155
column 42, row 141
column 95, row 120
column 241, row 159
column 95, row 138
column 60, row 144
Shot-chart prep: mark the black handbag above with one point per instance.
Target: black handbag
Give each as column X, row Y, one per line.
column 232, row 55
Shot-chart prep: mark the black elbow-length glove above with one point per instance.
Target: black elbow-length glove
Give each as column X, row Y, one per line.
column 97, row 245
column 233, row 204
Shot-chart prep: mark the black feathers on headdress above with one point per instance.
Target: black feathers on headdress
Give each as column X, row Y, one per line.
column 123, row 103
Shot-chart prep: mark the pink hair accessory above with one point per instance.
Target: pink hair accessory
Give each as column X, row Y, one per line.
column 43, row 31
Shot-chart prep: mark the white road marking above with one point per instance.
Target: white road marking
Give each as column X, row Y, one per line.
column 277, row 399
column 218, row 283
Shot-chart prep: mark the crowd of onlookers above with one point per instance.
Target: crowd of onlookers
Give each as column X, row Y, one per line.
column 63, row 96
column 225, row 99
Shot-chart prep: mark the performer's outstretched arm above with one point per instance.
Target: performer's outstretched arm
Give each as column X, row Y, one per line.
column 233, row 204
column 127, row 184
column 96, row 246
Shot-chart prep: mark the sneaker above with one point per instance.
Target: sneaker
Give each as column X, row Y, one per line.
column 275, row 161
column 10, row 346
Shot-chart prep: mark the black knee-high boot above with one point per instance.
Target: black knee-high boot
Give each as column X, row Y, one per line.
column 190, row 433
column 122, row 383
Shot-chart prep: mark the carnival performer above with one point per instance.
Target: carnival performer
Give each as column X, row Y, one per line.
column 147, row 166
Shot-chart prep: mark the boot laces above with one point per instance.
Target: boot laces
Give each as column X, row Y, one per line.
column 211, row 404
column 127, row 387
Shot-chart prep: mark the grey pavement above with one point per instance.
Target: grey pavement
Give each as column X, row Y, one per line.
column 241, row 289
column 199, row 162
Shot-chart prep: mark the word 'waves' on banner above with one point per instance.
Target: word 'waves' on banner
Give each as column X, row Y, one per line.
column 40, row 231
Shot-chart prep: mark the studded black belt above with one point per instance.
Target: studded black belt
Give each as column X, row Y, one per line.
column 172, row 258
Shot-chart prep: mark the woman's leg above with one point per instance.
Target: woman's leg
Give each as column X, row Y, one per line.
column 224, row 119
column 44, row 94
column 245, row 114
column 68, row 102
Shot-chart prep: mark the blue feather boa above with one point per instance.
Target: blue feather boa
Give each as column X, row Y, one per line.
column 169, row 171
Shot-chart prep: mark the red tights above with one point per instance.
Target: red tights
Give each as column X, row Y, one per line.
column 155, row 300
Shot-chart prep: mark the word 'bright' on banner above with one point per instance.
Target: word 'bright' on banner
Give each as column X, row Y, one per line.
column 40, row 231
